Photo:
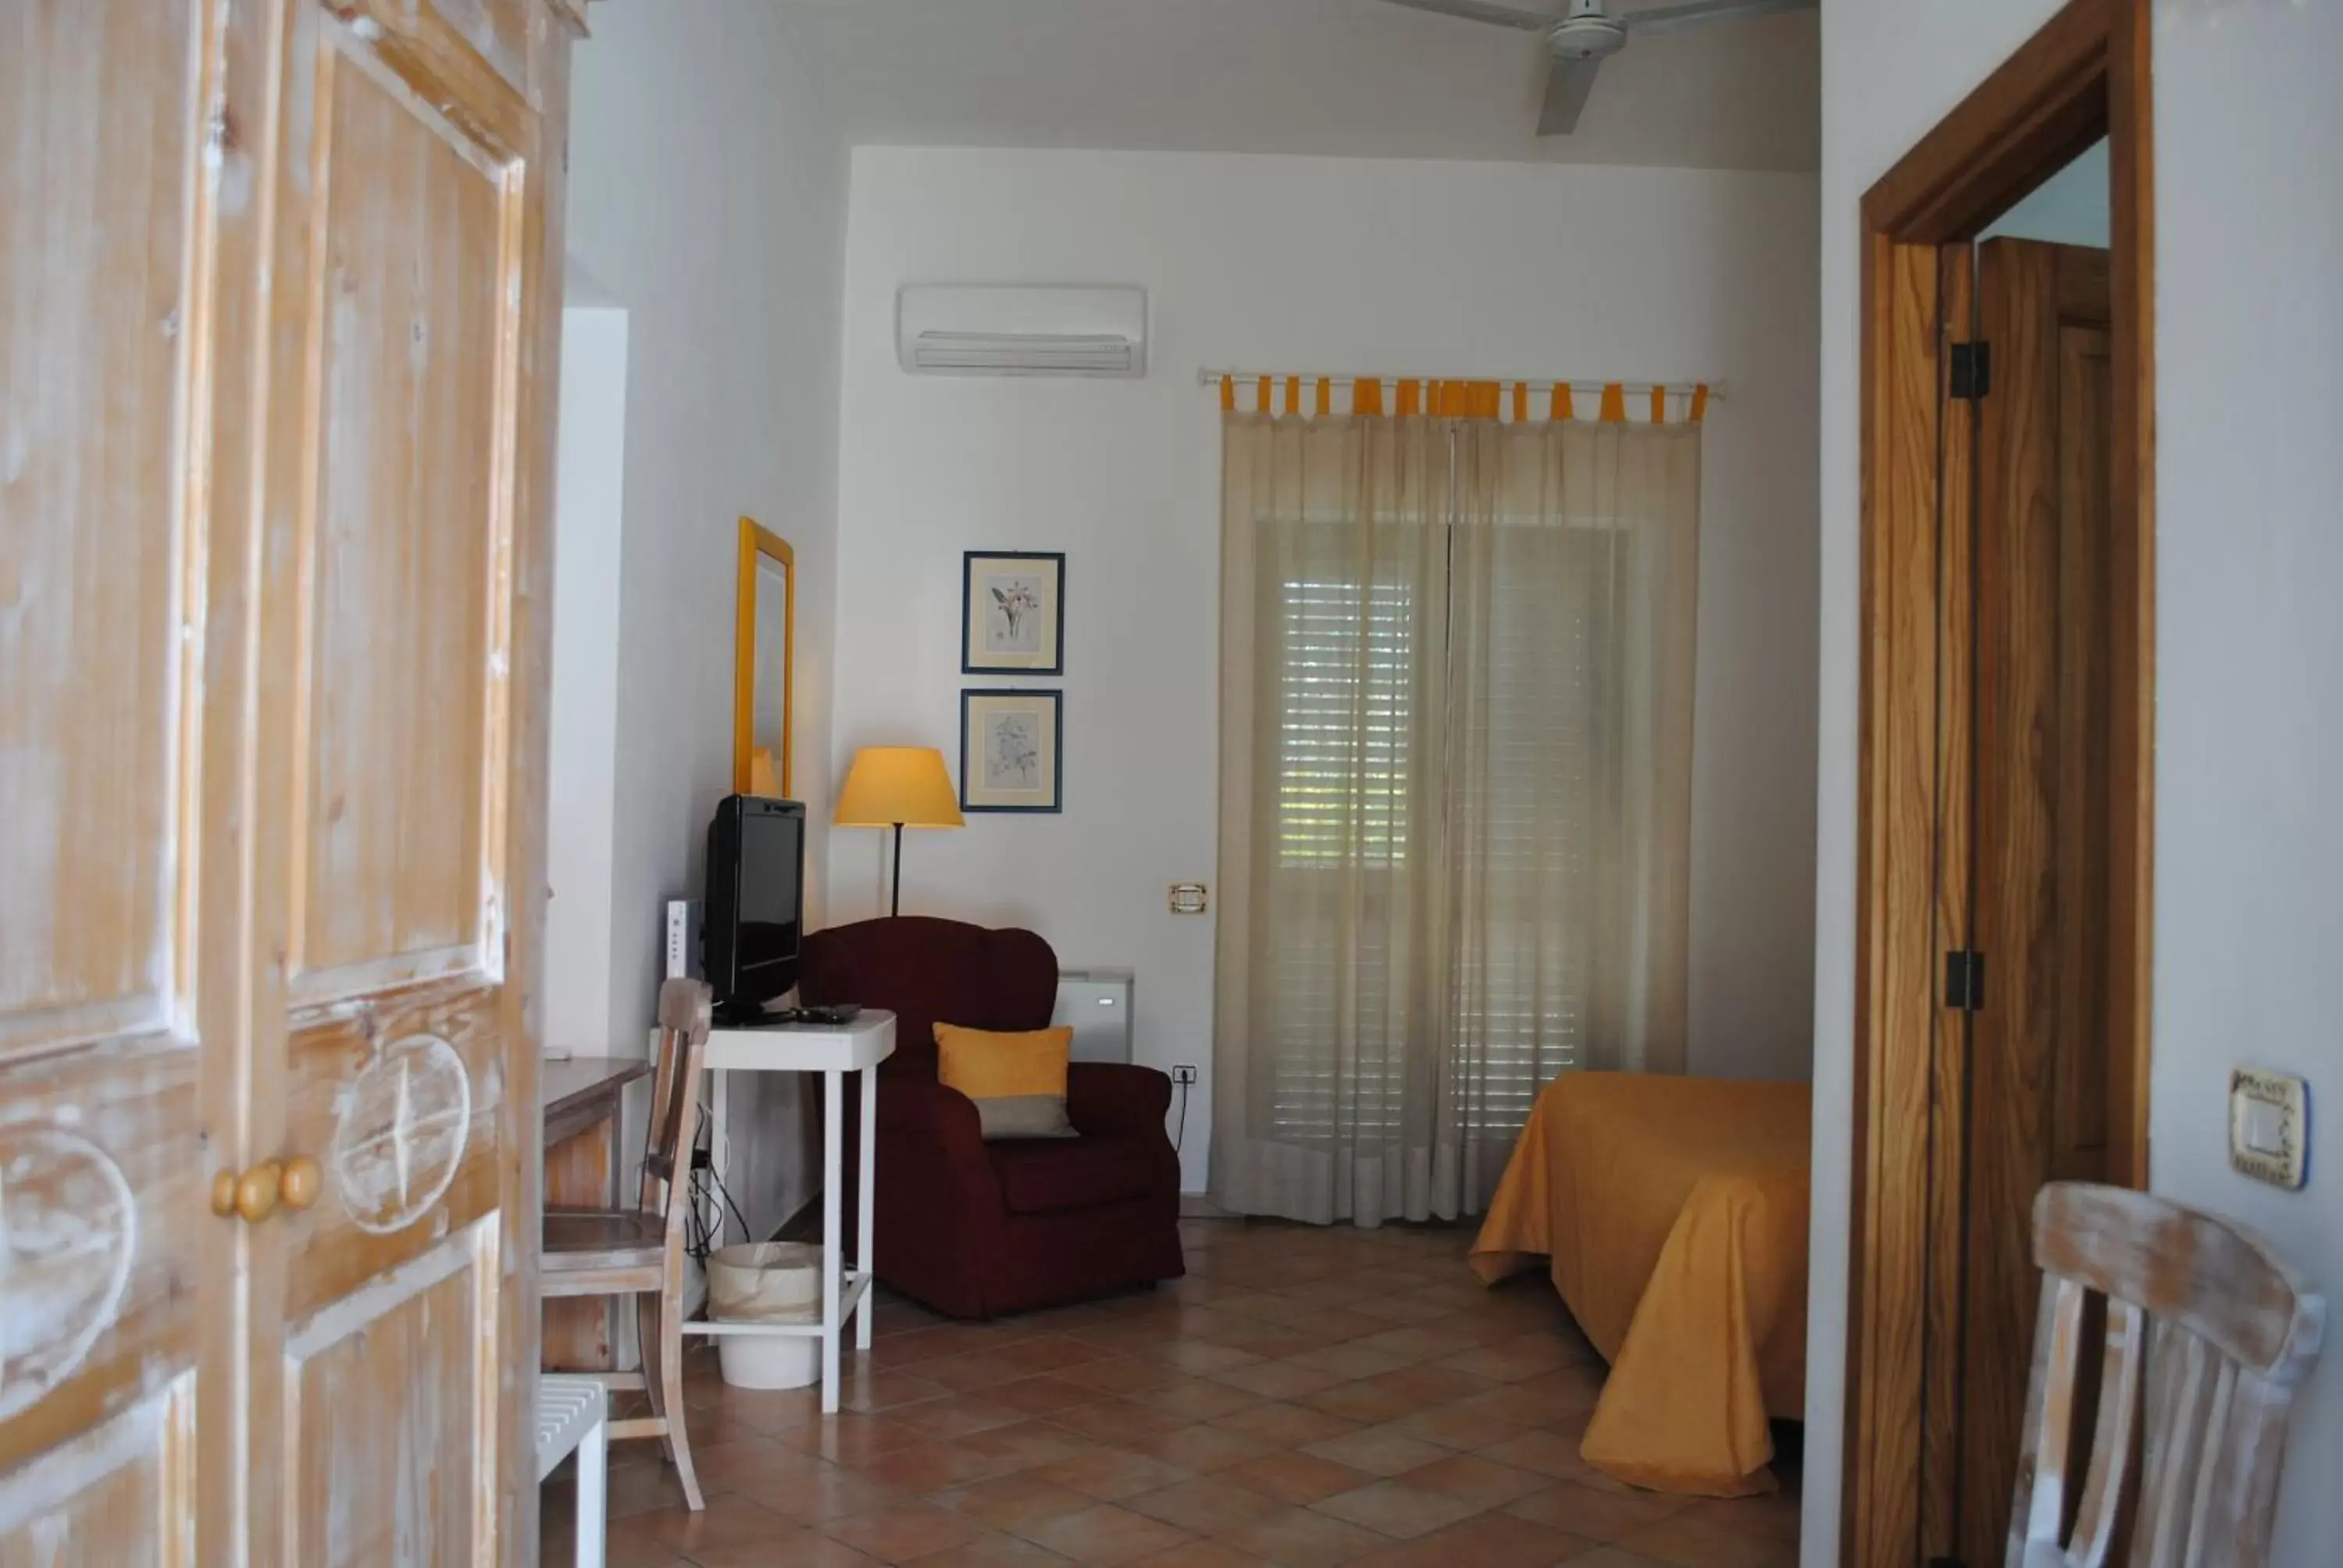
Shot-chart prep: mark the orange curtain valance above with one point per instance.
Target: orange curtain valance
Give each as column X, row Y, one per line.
column 1405, row 397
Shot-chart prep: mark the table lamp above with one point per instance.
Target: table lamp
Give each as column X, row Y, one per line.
column 897, row 786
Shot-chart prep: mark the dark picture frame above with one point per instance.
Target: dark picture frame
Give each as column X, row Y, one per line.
column 988, row 773
column 1042, row 623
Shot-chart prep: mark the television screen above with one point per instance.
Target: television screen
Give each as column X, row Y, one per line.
column 756, row 901
column 770, row 845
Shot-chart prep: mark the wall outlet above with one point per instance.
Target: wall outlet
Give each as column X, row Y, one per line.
column 1184, row 1072
column 2269, row 1127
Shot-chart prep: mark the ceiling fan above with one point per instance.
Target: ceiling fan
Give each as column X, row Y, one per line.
column 1581, row 40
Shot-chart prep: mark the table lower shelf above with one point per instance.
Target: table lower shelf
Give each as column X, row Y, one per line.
column 853, row 1284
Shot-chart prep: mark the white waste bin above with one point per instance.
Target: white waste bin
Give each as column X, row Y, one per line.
column 767, row 1283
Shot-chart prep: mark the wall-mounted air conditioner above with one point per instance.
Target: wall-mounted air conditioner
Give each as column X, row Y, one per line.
column 1020, row 329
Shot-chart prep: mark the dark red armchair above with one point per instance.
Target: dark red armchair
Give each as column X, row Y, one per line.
column 974, row 1229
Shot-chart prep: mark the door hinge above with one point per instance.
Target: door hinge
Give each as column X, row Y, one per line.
column 1972, row 370
column 1964, row 981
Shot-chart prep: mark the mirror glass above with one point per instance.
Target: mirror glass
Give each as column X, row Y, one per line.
column 768, row 714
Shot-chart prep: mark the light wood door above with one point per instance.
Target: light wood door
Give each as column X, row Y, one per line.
column 2036, row 1083
column 113, row 1038
column 279, row 290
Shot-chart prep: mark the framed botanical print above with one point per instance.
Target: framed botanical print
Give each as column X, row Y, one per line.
column 1012, row 617
column 1010, row 753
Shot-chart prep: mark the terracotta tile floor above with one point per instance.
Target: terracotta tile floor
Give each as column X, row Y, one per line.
column 1304, row 1398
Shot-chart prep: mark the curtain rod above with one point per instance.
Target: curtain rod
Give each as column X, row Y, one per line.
column 1253, row 377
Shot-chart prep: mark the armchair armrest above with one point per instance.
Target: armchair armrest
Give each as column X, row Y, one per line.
column 1117, row 1099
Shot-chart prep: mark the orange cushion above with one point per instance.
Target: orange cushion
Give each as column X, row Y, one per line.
column 1017, row 1081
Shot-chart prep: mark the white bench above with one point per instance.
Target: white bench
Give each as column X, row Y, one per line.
column 572, row 1416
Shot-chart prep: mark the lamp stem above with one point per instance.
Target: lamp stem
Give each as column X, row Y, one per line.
column 895, row 906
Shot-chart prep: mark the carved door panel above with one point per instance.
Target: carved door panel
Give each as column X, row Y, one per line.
column 115, row 1028
column 401, row 739
column 278, row 321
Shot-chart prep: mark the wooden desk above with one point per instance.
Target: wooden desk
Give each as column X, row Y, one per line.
column 583, row 1131
column 583, row 1091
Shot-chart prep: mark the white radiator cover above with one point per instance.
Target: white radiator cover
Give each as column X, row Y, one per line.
column 1097, row 1002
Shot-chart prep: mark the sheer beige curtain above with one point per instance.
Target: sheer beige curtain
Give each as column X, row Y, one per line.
column 1456, row 732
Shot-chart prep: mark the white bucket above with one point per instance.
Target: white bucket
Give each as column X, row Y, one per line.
column 767, row 1283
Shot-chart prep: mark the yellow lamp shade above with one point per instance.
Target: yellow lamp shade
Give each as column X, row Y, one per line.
column 905, row 784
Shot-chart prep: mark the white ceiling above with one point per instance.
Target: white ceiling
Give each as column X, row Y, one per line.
column 1356, row 77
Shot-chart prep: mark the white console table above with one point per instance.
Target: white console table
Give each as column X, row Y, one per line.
column 833, row 1053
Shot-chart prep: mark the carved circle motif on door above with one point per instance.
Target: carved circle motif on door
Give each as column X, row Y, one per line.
column 69, row 1231
column 401, row 1133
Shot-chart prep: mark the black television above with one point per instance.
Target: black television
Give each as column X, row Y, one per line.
column 754, row 914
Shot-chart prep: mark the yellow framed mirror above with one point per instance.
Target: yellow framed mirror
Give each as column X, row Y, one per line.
column 764, row 664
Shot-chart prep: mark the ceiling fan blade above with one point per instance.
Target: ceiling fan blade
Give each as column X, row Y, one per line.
column 1566, row 95
column 1694, row 13
column 1480, row 11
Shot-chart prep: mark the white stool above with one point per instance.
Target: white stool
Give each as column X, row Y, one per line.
column 572, row 1413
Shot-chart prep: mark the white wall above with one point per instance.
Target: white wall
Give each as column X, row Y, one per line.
column 2249, row 574
column 707, row 195
column 1313, row 265
column 582, row 781
column 2249, row 386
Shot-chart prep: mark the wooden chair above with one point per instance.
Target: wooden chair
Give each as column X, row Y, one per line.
column 639, row 1251
column 2234, row 1332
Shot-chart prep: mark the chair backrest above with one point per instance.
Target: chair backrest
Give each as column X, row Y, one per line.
column 927, row 971
column 2235, row 1331
column 684, row 1010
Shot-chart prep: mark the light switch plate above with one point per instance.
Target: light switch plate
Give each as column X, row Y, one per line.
column 1188, row 899
column 2269, row 1127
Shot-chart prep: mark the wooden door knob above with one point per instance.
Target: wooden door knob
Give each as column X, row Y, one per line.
column 302, row 1182
column 224, row 1187
column 256, row 1193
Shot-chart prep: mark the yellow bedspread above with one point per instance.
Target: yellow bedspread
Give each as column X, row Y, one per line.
column 1674, row 1214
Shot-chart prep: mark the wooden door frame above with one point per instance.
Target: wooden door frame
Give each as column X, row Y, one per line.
column 2085, row 73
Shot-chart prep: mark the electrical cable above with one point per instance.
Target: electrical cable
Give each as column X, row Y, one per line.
column 702, row 1236
column 726, row 1193
column 695, row 1239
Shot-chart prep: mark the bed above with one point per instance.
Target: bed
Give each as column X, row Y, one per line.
column 1672, row 1215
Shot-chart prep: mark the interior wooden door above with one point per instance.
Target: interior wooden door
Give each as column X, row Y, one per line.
column 2041, row 646
column 278, row 289
column 401, row 730
column 117, row 1021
